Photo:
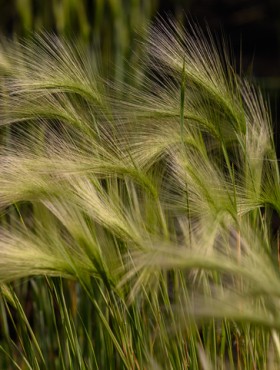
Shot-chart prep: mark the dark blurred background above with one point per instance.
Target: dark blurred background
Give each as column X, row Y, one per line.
column 252, row 26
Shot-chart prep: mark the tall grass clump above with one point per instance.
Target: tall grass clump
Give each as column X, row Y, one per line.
column 137, row 224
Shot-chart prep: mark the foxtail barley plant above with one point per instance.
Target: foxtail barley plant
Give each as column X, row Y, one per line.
column 136, row 222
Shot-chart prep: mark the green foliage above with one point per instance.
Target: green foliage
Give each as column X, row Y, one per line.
column 112, row 26
column 136, row 220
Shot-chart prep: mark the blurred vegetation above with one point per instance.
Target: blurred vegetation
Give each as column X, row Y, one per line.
column 114, row 25
column 111, row 26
